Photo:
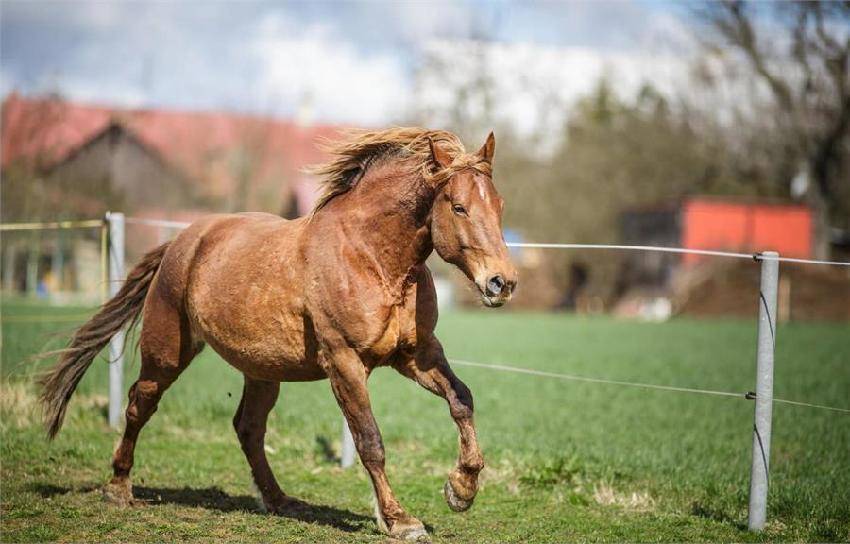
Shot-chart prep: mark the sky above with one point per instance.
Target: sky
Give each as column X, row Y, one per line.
column 341, row 62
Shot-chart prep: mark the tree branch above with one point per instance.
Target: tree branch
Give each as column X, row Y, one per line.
column 734, row 23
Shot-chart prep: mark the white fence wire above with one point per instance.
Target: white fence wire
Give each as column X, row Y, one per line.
column 156, row 222
column 534, row 245
column 765, row 398
column 505, row 368
column 177, row 225
column 749, row 395
column 662, row 249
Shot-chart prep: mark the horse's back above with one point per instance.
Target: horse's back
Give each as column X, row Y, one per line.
column 210, row 235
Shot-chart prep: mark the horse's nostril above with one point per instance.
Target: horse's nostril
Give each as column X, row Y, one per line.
column 495, row 286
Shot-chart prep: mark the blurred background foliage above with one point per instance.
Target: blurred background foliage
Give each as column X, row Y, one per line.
column 763, row 112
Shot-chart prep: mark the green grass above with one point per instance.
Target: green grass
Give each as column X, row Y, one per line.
column 566, row 461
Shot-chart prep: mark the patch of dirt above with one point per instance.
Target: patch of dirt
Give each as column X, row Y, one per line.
column 730, row 288
column 19, row 405
column 635, row 501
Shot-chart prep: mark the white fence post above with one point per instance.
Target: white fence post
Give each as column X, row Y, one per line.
column 116, row 345
column 346, row 458
column 760, row 470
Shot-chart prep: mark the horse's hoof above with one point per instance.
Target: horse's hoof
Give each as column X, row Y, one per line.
column 455, row 503
column 118, row 492
column 416, row 534
column 411, row 531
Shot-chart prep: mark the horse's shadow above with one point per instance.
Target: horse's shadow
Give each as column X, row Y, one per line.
column 213, row 498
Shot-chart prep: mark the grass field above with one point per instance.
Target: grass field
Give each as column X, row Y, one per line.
column 565, row 461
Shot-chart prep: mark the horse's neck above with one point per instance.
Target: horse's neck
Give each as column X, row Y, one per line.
column 390, row 209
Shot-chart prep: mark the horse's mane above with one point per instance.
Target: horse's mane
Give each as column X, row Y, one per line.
column 357, row 149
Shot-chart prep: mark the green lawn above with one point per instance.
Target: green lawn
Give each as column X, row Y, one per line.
column 566, row 461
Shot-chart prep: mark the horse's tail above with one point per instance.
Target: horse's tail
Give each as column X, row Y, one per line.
column 59, row 383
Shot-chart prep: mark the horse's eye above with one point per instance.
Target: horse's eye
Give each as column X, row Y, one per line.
column 458, row 209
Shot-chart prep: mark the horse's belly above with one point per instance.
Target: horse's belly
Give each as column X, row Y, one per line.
column 272, row 361
column 263, row 343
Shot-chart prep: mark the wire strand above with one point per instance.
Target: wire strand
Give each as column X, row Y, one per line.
column 661, row 249
column 810, row 405
column 709, row 252
column 634, row 248
column 597, row 380
column 571, row 377
column 801, row 261
column 52, row 225
column 156, row 222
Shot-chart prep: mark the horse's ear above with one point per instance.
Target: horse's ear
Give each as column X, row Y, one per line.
column 439, row 154
column 488, row 149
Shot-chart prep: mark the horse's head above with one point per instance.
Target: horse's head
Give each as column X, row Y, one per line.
column 466, row 222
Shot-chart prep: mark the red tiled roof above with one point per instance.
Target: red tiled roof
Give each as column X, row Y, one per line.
column 202, row 145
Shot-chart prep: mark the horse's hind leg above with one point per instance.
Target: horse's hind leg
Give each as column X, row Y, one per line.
column 167, row 349
column 258, row 399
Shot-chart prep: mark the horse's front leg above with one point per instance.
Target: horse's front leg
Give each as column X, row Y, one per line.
column 430, row 369
column 348, row 375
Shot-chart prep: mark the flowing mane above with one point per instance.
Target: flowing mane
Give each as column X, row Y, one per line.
column 358, row 149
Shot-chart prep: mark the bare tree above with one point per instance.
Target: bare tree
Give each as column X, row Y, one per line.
column 804, row 61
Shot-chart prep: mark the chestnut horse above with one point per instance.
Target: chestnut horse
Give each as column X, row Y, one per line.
column 333, row 295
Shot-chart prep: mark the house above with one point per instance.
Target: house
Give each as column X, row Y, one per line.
column 66, row 160
column 164, row 158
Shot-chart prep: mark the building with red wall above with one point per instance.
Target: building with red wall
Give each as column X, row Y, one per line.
column 707, row 285
column 733, row 224
column 746, row 226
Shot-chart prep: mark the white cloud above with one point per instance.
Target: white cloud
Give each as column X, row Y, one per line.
column 341, row 82
column 261, row 59
column 7, row 81
column 354, row 63
column 419, row 21
column 527, row 78
column 111, row 91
